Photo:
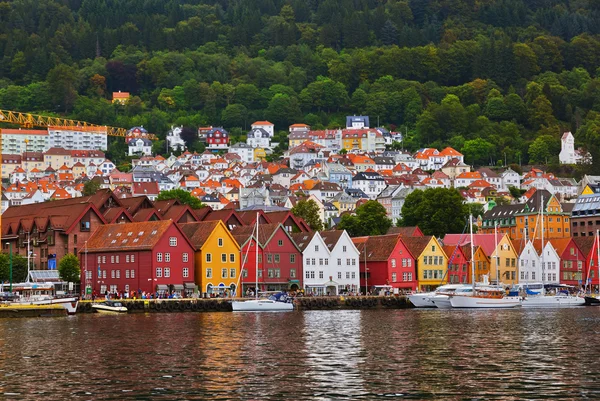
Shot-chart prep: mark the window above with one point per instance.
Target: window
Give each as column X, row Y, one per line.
column 277, row 273
column 344, row 248
column 312, row 274
column 167, row 257
column 347, row 275
column 133, row 258
column 347, row 262
column 270, row 273
column 132, row 273
column 159, row 272
column 232, row 257
column 223, row 257
column 209, row 257
column 269, row 258
column 126, row 258
column 220, row 241
column 186, row 272
column 353, row 262
column 159, row 257
column 277, row 259
column 409, row 276
column 316, row 248
column 167, row 272
column 173, row 241
column 260, row 257
column 112, row 258
column 126, row 273
column 112, row 274
column 339, row 275
column 208, row 272
column 320, row 261
column 533, row 275
column 99, row 259
column 307, row 261
column 307, row 274
column 292, row 273
column 404, row 276
column 118, row 273
column 103, row 273
column 245, row 273
column 184, row 257
column 321, row 274
column 232, row 273
column 280, row 242
column 116, row 258
column 314, row 261
column 339, row 262
column 292, row 258
column 393, row 277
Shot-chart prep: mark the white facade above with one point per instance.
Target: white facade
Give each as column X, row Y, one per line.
column 330, row 270
column 17, row 141
column 372, row 184
column 244, row 151
column 174, row 139
column 567, row 153
column 140, row 146
column 531, row 268
column 510, row 178
column 267, row 126
column 80, row 138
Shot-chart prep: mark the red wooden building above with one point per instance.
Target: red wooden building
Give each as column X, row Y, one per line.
column 279, row 259
column 148, row 256
column 458, row 264
column 588, row 247
column 572, row 261
column 389, row 263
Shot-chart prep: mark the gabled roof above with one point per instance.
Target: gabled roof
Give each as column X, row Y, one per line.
column 302, row 239
column 486, row 241
column 377, row 248
column 133, row 236
column 416, row 245
column 198, row 232
column 243, row 234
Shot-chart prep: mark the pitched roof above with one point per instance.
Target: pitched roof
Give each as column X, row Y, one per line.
column 377, row 248
column 302, row 239
column 132, row 236
column 198, row 232
column 416, row 245
column 265, row 231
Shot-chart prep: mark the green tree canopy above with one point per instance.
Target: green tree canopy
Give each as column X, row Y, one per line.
column 437, row 211
column 183, row 196
column 19, row 268
column 68, row 268
column 309, row 211
column 370, row 219
column 90, row 188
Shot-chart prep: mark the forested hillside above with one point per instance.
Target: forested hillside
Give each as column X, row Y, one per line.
column 494, row 78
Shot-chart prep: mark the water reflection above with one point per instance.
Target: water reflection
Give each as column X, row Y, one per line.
column 405, row 354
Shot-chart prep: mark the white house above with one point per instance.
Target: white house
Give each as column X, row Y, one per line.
column 269, row 127
column 258, row 138
column 370, row 183
column 82, row 138
column 510, row 178
column 243, row 150
column 330, row 262
column 533, row 270
column 174, row 139
column 140, row 146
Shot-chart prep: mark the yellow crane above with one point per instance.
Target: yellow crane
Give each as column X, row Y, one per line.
column 29, row 120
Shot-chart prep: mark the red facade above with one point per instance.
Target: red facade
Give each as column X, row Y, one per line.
column 167, row 266
column 279, row 260
column 458, row 265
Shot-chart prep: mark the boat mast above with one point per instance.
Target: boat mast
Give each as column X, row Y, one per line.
column 543, row 268
column 472, row 252
column 496, row 253
column 257, row 216
column 598, row 260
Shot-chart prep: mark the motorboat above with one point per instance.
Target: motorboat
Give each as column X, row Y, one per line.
column 425, row 299
column 541, row 299
column 41, row 294
column 261, row 304
column 489, row 298
column 442, row 299
column 109, row 307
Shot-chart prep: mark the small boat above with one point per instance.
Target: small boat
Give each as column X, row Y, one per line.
column 541, row 298
column 591, row 301
column 110, row 307
column 489, row 298
column 41, row 294
column 425, row 299
column 255, row 305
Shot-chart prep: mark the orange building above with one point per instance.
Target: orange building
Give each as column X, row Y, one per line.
column 522, row 221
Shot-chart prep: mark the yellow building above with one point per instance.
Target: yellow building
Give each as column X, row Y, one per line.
column 431, row 261
column 259, row 154
column 57, row 157
column 216, row 257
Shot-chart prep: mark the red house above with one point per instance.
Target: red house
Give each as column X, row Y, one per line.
column 573, row 261
column 589, row 248
column 148, row 256
column 458, row 264
column 279, row 259
column 388, row 264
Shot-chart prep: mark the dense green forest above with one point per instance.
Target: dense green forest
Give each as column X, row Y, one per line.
column 496, row 79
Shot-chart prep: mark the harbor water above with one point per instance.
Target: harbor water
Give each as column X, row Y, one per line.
column 317, row 355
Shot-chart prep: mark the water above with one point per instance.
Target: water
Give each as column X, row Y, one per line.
column 317, row 355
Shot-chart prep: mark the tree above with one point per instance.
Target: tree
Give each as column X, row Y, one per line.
column 62, row 80
column 182, row 196
column 309, row 211
column 437, row 211
column 544, row 149
column 478, row 151
column 189, row 136
column 68, row 268
column 19, row 268
column 370, row 219
column 90, row 188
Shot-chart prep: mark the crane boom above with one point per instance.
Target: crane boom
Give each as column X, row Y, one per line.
column 32, row 120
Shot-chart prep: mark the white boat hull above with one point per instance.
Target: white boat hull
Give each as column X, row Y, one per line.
column 552, row 301
column 257, row 305
column 484, row 303
column 109, row 309
column 69, row 304
column 442, row 301
column 422, row 300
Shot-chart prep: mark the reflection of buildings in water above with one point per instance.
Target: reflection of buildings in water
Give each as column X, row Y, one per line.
column 334, row 352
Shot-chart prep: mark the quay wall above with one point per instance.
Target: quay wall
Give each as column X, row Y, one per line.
column 224, row 305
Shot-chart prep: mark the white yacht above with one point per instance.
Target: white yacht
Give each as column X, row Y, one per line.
column 110, row 307
column 488, row 298
column 42, row 294
column 442, row 299
column 538, row 297
column 425, row 299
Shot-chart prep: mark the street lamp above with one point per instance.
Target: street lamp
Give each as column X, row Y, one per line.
column 10, row 265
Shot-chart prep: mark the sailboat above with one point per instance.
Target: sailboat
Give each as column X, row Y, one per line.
column 483, row 297
column 272, row 304
column 540, row 299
